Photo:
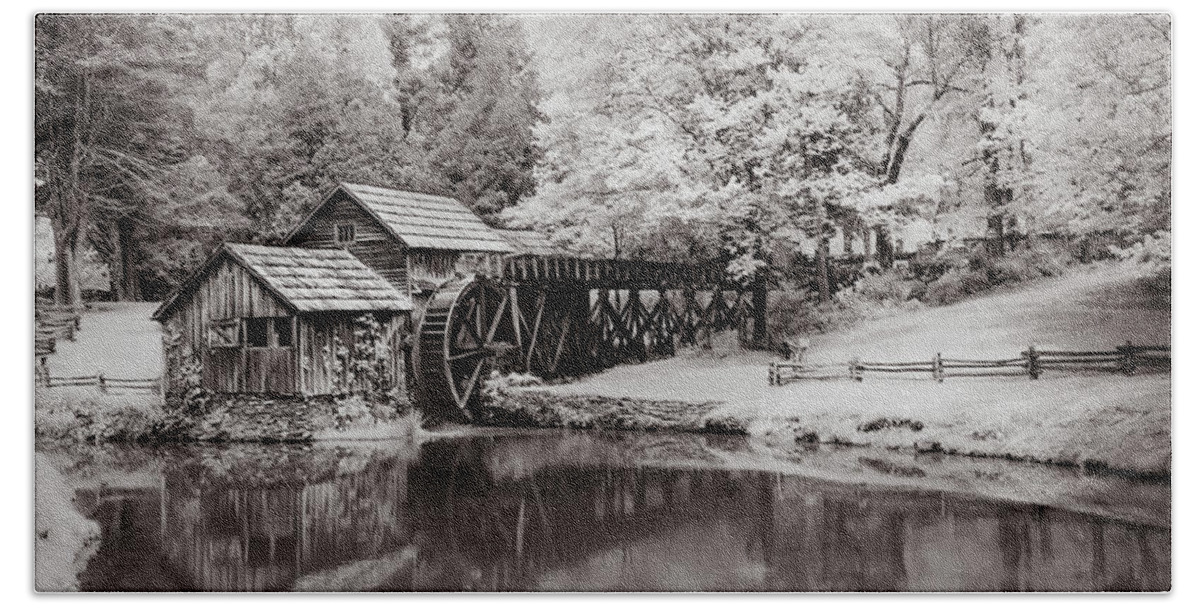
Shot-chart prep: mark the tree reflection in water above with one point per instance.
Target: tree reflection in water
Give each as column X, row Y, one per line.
column 580, row 512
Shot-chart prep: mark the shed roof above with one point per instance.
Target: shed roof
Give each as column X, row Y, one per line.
column 425, row 221
column 306, row 280
column 530, row 242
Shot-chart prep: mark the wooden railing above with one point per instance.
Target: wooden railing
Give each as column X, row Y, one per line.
column 51, row 324
column 56, row 322
column 613, row 274
column 1127, row 359
column 104, row 383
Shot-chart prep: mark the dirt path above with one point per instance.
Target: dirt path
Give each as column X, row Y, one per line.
column 116, row 338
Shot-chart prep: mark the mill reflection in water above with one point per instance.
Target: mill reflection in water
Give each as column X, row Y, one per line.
column 574, row 512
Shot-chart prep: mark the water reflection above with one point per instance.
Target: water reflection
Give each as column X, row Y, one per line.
column 575, row 512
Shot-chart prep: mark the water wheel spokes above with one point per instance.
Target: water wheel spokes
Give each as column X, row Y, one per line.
column 461, row 329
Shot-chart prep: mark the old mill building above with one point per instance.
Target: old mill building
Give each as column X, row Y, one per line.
column 266, row 319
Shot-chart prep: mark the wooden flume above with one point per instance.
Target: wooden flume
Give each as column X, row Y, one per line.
column 556, row 316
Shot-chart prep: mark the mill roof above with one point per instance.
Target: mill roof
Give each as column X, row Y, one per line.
column 306, row 280
column 424, row 221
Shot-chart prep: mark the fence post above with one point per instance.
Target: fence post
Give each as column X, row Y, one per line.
column 100, row 381
column 939, row 372
column 855, row 371
column 1128, row 364
column 1035, row 368
column 771, row 374
column 43, row 371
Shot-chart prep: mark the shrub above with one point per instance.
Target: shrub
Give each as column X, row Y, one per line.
column 351, row 409
column 1025, row 264
column 790, row 313
column 887, row 286
column 1154, row 251
column 87, row 416
column 983, row 273
column 355, row 409
column 798, row 313
column 955, row 285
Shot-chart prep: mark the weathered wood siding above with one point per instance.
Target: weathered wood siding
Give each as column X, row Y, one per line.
column 230, row 292
column 372, row 244
column 271, row 370
column 321, row 335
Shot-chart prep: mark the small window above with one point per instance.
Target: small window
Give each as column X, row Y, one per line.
column 257, row 331
column 223, row 333
column 344, row 233
column 283, row 331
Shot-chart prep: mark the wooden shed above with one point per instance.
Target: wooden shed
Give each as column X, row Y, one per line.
column 275, row 319
column 415, row 241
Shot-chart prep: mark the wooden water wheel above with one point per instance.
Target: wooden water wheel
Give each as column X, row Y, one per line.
column 463, row 327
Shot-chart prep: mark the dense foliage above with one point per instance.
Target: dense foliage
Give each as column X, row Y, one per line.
column 158, row 136
column 758, row 139
column 760, row 136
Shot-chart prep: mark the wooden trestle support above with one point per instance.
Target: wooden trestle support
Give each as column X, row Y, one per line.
column 561, row 316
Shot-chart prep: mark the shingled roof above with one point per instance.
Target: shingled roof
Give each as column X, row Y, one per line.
column 307, row 280
column 530, row 242
column 425, row 221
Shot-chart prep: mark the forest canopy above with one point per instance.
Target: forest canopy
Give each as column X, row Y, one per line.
column 745, row 138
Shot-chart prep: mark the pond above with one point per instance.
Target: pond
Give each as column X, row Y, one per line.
column 510, row 511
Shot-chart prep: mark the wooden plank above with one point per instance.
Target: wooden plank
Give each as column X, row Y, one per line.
column 540, row 308
column 515, row 310
column 562, row 339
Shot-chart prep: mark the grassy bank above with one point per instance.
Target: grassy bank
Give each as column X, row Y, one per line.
column 65, row 539
column 1102, row 421
column 87, row 415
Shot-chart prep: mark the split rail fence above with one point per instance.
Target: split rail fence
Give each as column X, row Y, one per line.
column 51, row 324
column 104, row 383
column 1127, row 359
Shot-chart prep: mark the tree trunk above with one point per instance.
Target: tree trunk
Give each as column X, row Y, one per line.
column 823, row 293
column 124, row 278
column 67, row 244
column 116, row 262
column 69, row 218
column 133, row 287
column 997, row 199
column 884, row 252
column 866, row 240
column 759, row 304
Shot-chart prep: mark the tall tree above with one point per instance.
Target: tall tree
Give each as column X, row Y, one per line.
column 1098, row 121
column 1003, row 144
column 915, row 68
column 484, row 108
column 294, row 104
column 106, row 118
column 730, row 126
